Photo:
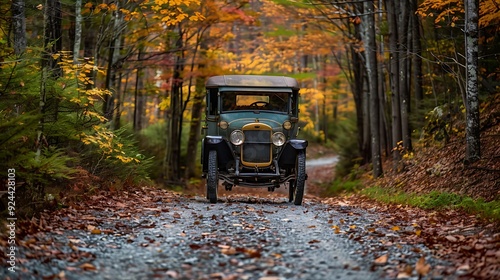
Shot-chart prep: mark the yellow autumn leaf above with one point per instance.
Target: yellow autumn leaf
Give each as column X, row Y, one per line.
column 336, row 229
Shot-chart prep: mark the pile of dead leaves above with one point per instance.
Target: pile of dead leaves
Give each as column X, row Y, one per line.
column 129, row 205
column 471, row 244
column 465, row 241
column 444, row 168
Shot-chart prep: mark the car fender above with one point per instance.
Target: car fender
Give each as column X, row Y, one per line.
column 221, row 145
column 289, row 152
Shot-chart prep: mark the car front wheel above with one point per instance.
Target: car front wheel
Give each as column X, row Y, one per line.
column 212, row 177
column 300, row 177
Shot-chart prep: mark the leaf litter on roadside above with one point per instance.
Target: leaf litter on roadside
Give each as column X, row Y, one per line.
column 470, row 245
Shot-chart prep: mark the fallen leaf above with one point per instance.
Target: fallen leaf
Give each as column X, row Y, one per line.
column 96, row 231
column 421, row 267
column 451, row 238
column 252, row 253
column 88, row 266
column 464, row 267
column 403, row 275
column 194, row 246
column 381, row 260
column 228, row 251
column 395, row 228
column 121, row 205
column 336, row 229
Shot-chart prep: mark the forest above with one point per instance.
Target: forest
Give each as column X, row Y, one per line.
column 107, row 94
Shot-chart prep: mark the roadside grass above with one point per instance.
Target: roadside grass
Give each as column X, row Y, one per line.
column 435, row 201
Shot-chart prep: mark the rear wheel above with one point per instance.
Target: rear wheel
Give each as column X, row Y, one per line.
column 212, row 177
column 300, row 177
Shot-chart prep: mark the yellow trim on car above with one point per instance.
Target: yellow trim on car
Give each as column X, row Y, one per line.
column 261, row 127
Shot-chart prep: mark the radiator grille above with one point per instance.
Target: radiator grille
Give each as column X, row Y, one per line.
column 256, row 150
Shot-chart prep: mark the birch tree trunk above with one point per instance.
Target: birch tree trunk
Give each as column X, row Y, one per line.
column 113, row 57
column 473, row 143
column 371, row 70
column 78, row 31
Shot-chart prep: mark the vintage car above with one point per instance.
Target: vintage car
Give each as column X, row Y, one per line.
column 250, row 135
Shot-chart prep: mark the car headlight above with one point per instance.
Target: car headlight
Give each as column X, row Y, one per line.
column 278, row 139
column 223, row 124
column 237, row 137
column 287, row 125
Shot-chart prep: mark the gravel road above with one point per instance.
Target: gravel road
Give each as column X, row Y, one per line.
column 156, row 234
column 171, row 236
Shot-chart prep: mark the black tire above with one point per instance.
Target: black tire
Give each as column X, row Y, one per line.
column 212, row 177
column 300, row 177
column 291, row 190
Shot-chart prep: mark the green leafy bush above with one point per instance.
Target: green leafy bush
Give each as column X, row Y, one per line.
column 115, row 155
column 47, row 142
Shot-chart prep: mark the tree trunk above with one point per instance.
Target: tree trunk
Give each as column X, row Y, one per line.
column 49, row 70
column 113, row 57
column 357, row 86
column 19, row 26
column 196, row 110
column 392, row 12
column 139, row 99
column 473, row 143
column 173, row 153
column 78, row 31
column 416, row 56
column 53, row 36
column 371, row 70
column 403, row 78
column 385, row 141
column 121, row 95
column 195, row 128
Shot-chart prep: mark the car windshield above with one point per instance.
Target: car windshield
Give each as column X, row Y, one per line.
column 273, row 101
